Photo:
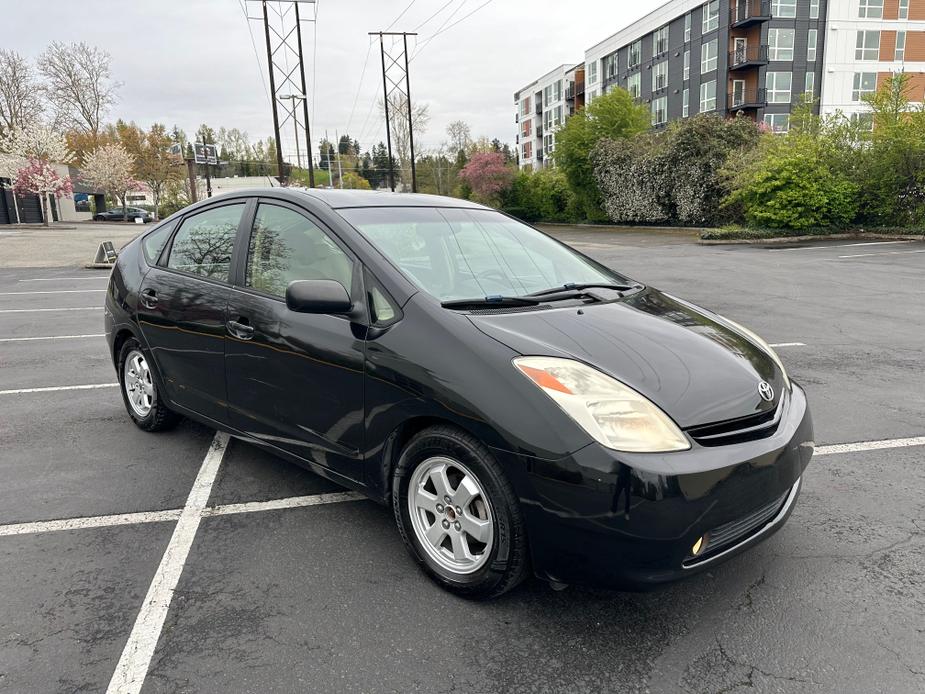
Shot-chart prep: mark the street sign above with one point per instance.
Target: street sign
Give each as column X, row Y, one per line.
column 205, row 154
column 106, row 253
column 176, row 149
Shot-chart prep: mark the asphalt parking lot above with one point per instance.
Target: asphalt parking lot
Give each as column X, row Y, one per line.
column 182, row 562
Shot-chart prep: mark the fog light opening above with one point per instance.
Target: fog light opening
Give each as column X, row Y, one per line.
column 699, row 546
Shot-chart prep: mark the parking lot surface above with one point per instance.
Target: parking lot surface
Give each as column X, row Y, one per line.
column 182, row 562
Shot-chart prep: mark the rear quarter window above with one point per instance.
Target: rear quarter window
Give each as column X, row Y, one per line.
column 153, row 243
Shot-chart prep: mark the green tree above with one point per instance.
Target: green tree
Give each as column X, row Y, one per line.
column 613, row 115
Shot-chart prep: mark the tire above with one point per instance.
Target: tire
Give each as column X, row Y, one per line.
column 98, row 218
column 139, row 390
column 479, row 547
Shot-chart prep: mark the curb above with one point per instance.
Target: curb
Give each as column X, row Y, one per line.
column 782, row 240
column 38, row 227
column 618, row 229
column 99, row 266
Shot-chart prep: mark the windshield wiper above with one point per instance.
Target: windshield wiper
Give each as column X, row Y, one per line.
column 574, row 286
column 494, row 301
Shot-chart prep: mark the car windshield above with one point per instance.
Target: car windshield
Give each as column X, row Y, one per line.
column 454, row 253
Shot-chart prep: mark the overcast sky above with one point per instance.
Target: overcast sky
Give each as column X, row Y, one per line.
column 186, row 62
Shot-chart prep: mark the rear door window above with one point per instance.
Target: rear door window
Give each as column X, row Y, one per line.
column 204, row 242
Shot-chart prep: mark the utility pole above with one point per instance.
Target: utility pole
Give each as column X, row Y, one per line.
column 393, row 75
column 282, row 29
column 340, row 170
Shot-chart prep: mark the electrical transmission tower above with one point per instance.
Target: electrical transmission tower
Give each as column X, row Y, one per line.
column 396, row 94
column 282, row 26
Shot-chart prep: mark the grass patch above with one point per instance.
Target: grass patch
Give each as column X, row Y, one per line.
column 735, row 233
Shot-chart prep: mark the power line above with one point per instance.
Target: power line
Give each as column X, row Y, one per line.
column 443, row 7
column 443, row 29
column 247, row 20
column 400, row 15
column 315, row 57
column 369, row 50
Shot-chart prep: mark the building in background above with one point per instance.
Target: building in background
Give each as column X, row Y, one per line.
column 541, row 107
column 754, row 57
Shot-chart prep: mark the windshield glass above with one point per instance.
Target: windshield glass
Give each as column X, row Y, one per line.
column 463, row 254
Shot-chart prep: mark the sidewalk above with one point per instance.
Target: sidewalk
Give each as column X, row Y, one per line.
column 60, row 245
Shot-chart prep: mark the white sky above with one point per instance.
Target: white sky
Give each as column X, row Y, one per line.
column 186, row 62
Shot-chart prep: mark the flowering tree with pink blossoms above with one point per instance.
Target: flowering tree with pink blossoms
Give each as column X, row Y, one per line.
column 39, row 178
column 488, row 176
column 110, row 168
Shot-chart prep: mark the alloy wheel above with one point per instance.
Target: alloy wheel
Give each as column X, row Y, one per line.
column 136, row 379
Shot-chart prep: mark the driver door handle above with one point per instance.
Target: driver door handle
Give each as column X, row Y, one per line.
column 148, row 298
column 240, row 330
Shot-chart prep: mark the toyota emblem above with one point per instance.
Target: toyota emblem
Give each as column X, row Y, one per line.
column 766, row 391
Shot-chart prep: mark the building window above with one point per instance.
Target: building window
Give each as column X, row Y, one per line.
column 864, row 83
column 548, row 143
column 635, row 54
column 590, row 96
column 708, row 53
column 780, row 44
column 592, row 72
column 904, row 9
column 814, row 9
column 525, row 107
column 868, row 46
column 547, row 94
column 863, row 121
column 685, row 103
column 708, row 96
column 661, row 40
column 527, row 150
column 809, row 89
column 687, row 26
column 557, row 116
column 870, row 9
column 900, row 46
column 710, row 16
column 527, row 127
column 558, row 90
column 687, row 64
column 660, row 76
column 777, row 122
column 778, row 87
column 610, row 66
column 784, row 8
column 811, row 45
column 660, row 110
column 634, row 85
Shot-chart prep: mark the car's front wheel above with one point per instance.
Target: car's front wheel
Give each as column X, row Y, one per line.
column 458, row 514
column 139, row 390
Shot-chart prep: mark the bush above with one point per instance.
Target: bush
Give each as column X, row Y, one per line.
column 543, row 195
column 671, row 176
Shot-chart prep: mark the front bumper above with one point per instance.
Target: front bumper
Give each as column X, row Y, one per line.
column 599, row 517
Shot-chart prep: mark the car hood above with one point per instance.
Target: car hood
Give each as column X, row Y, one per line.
column 683, row 358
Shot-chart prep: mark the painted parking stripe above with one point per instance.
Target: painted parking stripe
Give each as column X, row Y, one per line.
column 41, row 310
column 53, row 389
column 838, row 245
column 869, row 445
column 280, row 504
column 50, row 337
column 130, row 672
column 787, row 344
column 55, row 291
column 89, row 522
column 867, row 255
column 64, row 279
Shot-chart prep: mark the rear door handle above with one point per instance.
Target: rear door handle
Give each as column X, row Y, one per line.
column 242, row 331
column 149, row 298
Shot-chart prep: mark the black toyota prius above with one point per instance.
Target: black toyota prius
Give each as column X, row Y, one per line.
column 521, row 407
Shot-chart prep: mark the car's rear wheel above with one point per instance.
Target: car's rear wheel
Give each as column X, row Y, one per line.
column 139, row 390
column 458, row 514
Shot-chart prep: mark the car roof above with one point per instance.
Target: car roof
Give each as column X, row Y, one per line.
column 341, row 199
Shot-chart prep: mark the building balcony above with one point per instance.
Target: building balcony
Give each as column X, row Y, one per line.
column 579, row 87
column 741, row 100
column 539, row 109
column 749, row 56
column 539, row 131
column 745, row 13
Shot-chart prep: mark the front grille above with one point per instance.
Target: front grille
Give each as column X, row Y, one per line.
column 739, row 529
column 739, row 430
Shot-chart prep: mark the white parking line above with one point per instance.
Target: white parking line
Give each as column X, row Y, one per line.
column 40, row 310
column 50, row 337
column 56, row 291
column 280, row 504
column 89, row 522
column 787, row 344
column 837, row 245
column 867, row 255
column 62, row 279
column 136, row 656
column 52, row 389
column 869, row 445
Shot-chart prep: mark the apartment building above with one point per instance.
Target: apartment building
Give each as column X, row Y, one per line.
column 756, row 57
column 541, row 107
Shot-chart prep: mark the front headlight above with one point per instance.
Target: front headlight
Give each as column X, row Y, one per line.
column 613, row 414
column 764, row 346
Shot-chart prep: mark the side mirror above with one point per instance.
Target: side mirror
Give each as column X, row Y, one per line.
column 318, row 296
